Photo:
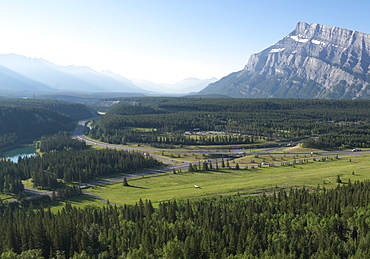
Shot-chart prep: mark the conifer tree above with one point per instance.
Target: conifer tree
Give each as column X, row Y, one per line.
column 338, row 180
column 125, row 183
column 190, row 168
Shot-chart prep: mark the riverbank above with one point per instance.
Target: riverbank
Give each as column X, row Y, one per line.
column 12, row 153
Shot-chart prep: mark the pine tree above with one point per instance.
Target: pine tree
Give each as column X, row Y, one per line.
column 125, row 183
column 338, row 180
column 190, row 169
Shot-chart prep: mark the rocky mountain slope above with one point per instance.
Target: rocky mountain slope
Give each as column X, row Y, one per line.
column 313, row 61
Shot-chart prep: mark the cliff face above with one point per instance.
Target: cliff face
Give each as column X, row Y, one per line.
column 313, row 61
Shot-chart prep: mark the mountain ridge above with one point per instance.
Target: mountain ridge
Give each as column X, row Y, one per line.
column 79, row 79
column 11, row 80
column 185, row 86
column 21, row 75
column 313, row 61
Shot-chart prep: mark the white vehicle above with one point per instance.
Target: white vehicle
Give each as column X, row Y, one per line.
column 356, row 150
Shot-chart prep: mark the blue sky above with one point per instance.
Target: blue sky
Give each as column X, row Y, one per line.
column 163, row 40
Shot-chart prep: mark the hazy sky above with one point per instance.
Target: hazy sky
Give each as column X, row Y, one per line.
column 163, row 40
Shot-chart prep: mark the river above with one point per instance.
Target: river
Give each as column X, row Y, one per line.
column 13, row 154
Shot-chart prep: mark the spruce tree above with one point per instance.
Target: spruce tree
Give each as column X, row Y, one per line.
column 338, row 179
column 125, row 183
column 190, row 169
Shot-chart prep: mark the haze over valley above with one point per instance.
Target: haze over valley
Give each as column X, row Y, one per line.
column 20, row 76
column 313, row 61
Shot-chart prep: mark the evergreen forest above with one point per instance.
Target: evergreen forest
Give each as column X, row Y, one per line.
column 288, row 224
column 175, row 122
column 296, row 222
column 74, row 164
column 23, row 120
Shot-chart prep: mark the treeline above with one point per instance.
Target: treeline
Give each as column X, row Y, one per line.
column 58, row 142
column 243, row 121
column 297, row 223
column 126, row 109
column 354, row 137
column 74, row 166
column 75, row 111
column 162, row 137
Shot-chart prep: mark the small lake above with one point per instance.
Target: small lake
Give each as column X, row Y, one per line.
column 13, row 154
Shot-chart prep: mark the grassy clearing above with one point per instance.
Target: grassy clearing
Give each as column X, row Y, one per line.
column 7, row 197
column 270, row 159
column 299, row 149
column 140, row 129
column 78, row 201
column 188, row 157
column 29, row 184
column 226, row 182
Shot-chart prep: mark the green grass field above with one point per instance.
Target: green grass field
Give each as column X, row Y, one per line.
column 78, row 201
column 6, row 197
column 29, row 184
column 227, row 182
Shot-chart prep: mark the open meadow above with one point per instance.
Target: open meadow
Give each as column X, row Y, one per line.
column 167, row 186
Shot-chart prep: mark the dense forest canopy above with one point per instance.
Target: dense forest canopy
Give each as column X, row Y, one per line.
column 58, row 142
column 28, row 122
column 242, row 121
column 75, row 111
column 29, row 119
column 71, row 166
column 294, row 224
column 66, row 162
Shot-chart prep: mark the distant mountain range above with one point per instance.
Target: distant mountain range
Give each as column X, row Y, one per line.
column 30, row 75
column 313, row 61
column 39, row 74
column 188, row 85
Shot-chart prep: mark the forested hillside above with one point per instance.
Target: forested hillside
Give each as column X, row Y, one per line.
column 29, row 123
column 28, row 120
column 165, row 121
column 295, row 224
column 75, row 111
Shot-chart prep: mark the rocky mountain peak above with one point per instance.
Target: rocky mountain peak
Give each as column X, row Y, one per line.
column 313, row 61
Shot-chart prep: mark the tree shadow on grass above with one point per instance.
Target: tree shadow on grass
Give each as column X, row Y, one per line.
column 138, row 187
